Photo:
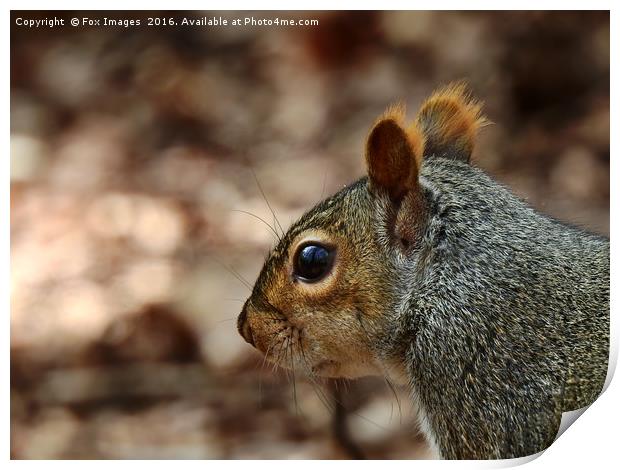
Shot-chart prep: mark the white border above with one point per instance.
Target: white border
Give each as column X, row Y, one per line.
column 591, row 441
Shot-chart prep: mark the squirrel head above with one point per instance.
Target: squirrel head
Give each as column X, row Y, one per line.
column 326, row 299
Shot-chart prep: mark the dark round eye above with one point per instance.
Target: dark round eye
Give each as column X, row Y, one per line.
column 313, row 262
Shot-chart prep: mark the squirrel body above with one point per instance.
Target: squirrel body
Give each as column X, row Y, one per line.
column 496, row 317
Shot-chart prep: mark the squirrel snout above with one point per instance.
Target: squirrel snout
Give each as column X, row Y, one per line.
column 244, row 326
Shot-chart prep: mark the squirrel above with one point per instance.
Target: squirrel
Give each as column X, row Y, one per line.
column 429, row 272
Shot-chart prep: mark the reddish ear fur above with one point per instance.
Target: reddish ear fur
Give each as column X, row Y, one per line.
column 446, row 126
column 450, row 120
column 394, row 154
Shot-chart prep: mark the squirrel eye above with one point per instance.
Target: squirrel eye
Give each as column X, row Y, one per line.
column 312, row 262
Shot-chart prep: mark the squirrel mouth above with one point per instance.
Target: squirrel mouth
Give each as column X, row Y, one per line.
column 325, row 368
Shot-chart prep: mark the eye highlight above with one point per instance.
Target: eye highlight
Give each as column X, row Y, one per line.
column 312, row 262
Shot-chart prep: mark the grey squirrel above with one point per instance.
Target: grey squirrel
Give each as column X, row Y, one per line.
column 429, row 272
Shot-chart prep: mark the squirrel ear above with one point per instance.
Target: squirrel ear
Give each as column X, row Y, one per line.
column 394, row 153
column 450, row 120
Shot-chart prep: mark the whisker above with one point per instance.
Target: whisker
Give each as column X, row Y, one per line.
column 285, row 346
column 261, row 219
column 278, row 358
column 339, row 423
column 400, row 411
column 385, row 374
column 322, row 396
column 287, row 342
column 260, row 188
column 338, row 402
column 239, row 277
column 324, row 181
column 260, row 375
column 292, row 362
column 316, row 387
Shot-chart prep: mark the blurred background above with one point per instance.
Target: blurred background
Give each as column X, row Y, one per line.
column 133, row 148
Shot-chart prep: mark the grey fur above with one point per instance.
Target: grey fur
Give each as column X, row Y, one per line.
column 506, row 321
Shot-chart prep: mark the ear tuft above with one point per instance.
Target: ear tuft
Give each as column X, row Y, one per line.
column 395, row 112
column 450, row 120
column 394, row 153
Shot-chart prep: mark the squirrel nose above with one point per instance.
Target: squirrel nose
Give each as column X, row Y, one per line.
column 243, row 325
